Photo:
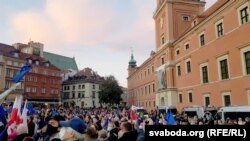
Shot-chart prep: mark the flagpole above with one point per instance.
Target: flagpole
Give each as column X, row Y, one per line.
column 5, row 93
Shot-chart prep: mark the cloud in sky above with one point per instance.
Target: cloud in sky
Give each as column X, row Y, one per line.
column 98, row 33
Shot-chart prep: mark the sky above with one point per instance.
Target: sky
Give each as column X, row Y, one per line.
column 98, row 33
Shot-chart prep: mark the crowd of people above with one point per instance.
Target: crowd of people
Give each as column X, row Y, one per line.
column 96, row 124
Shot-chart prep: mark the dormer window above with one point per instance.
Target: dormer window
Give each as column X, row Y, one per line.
column 15, row 54
column 29, row 61
column 37, row 62
column 47, row 64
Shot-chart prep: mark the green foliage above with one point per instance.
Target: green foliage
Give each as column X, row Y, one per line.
column 110, row 91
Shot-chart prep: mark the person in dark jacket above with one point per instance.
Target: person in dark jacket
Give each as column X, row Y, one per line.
column 113, row 131
column 128, row 133
column 31, row 126
column 40, row 135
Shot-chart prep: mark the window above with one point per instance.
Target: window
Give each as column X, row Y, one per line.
column 207, row 100
column 79, row 86
column 79, row 95
column 35, row 79
column 180, row 98
column 244, row 15
column 153, row 87
column 73, row 94
column 202, row 39
column 145, row 89
column 43, row 91
column 188, row 66
column 149, row 89
column 162, row 60
column 93, row 86
column 93, row 94
column 224, row 69
column 204, row 74
column 74, row 87
column 162, row 40
column 179, row 70
column 9, row 63
column 83, row 86
column 219, row 28
column 185, row 18
column 83, row 94
column 148, row 72
column 247, row 62
column 52, row 91
column 190, row 97
column 177, row 52
column 8, row 72
column 227, row 100
column 34, row 90
column 186, row 46
column 27, row 89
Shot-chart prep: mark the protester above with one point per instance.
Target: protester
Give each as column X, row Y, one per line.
column 72, row 130
column 22, row 132
column 53, row 129
column 41, row 132
column 127, row 133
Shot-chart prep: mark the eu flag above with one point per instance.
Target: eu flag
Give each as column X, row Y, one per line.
column 170, row 119
column 24, row 70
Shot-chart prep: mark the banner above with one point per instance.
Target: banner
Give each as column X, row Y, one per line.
column 197, row 132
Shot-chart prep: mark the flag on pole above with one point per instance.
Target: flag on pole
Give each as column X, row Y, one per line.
column 15, row 118
column 31, row 110
column 24, row 114
column 24, row 70
column 170, row 119
column 2, row 112
column 133, row 115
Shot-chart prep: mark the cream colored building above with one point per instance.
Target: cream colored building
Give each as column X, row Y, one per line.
column 10, row 64
column 82, row 89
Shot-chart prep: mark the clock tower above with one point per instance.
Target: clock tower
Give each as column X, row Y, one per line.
column 173, row 17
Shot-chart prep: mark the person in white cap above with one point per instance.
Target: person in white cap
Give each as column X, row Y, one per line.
column 72, row 130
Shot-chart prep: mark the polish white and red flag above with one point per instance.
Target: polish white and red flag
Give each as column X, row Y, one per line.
column 133, row 115
column 15, row 117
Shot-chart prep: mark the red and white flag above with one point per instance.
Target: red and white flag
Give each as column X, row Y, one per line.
column 24, row 117
column 133, row 115
column 15, row 117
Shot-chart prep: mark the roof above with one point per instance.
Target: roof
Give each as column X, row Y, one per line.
column 203, row 16
column 88, row 73
column 85, row 75
column 60, row 61
column 7, row 51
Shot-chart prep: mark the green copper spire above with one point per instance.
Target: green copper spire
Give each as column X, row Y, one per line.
column 132, row 62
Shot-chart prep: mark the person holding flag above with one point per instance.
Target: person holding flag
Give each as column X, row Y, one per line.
column 169, row 117
column 17, row 78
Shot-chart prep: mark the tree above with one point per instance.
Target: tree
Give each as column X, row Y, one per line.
column 110, row 91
